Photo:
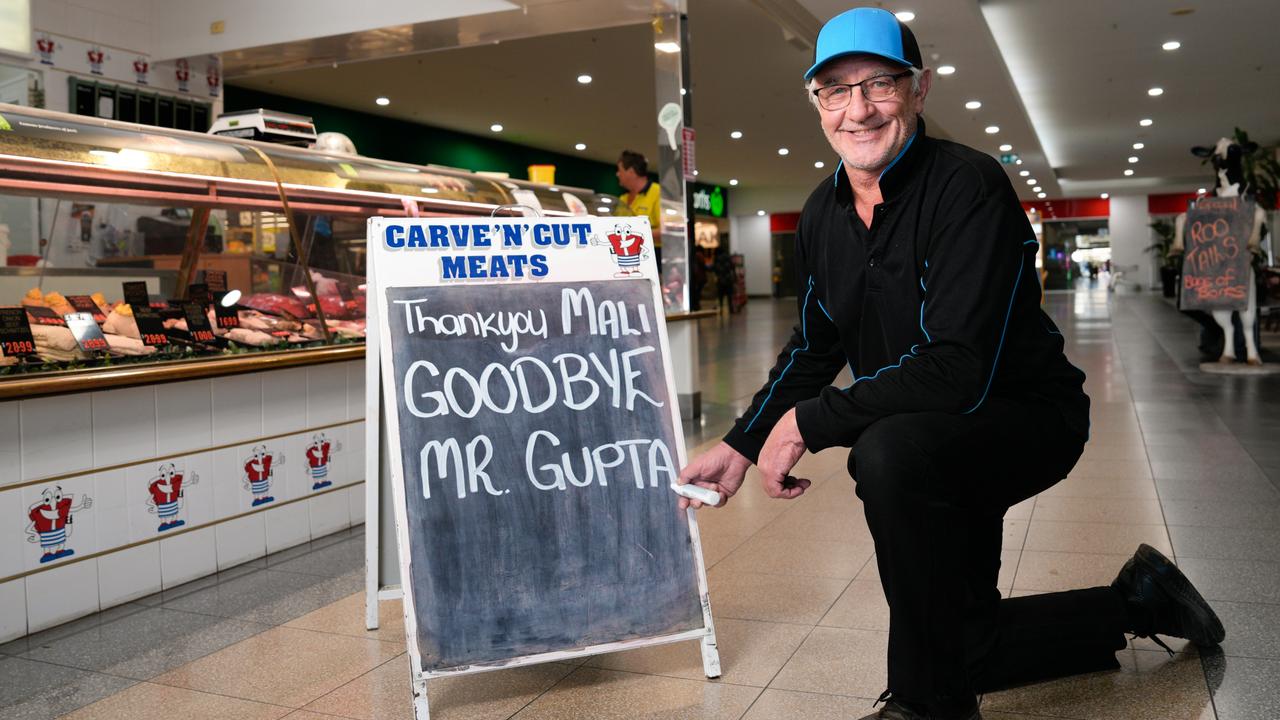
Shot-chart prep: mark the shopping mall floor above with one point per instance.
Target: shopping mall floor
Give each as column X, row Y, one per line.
column 1184, row 461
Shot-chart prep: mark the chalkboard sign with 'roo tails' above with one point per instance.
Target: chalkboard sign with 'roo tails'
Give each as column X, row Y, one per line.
column 533, row 436
column 1215, row 270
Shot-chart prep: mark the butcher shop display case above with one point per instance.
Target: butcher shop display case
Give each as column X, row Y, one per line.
column 182, row 349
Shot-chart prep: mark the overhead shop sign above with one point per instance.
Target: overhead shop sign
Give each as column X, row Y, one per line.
column 710, row 200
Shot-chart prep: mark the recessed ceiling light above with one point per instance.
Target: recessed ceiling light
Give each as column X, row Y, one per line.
column 671, row 211
column 1133, row 159
column 1031, row 181
column 667, row 47
column 584, row 79
column 430, row 190
column 1041, row 195
column 993, row 129
column 383, row 101
column 946, row 69
column 905, row 15
column 819, row 164
column 496, row 127
column 1006, row 147
column 602, row 210
column 684, row 91
column 783, row 151
column 760, row 212
column 1037, row 189
column 1024, row 173
column 733, row 181
column 695, row 173
column 606, row 200
column 1172, row 45
column 1145, row 122
column 1129, row 172
column 554, row 189
column 972, row 105
column 580, row 146
column 736, row 134
column 1104, row 196
column 1018, row 161
column 1200, row 191
column 1155, row 92
column 1138, row 146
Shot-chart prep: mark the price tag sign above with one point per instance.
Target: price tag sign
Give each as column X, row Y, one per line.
column 135, row 293
column 87, row 333
column 198, row 293
column 45, row 316
column 216, row 280
column 15, row 332
column 150, row 324
column 198, row 323
column 227, row 317
column 85, row 304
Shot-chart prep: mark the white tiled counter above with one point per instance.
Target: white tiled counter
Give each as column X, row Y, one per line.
column 104, row 470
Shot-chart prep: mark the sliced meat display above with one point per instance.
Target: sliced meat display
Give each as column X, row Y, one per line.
column 128, row 346
column 245, row 336
column 275, row 304
column 121, row 322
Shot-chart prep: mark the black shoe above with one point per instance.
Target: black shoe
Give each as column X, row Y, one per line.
column 1161, row 600
column 898, row 710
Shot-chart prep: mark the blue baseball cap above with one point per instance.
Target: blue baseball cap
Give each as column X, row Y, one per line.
column 870, row 31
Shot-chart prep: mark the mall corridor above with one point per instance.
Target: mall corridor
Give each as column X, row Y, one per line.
column 1186, row 462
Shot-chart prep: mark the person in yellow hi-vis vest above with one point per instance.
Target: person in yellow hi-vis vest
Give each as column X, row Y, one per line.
column 643, row 197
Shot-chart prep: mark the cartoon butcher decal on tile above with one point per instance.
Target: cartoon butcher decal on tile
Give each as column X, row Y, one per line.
column 51, row 520
column 627, row 247
column 166, row 495
column 319, row 454
column 259, row 472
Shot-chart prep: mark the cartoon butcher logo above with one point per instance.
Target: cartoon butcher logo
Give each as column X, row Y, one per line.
column 51, row 520
column 319, row 454
column 627, row 247
column 95, row 57
column 166, row 499
column 259, row 470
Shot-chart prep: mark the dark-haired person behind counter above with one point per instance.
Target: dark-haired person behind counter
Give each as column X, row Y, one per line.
column 917, row 269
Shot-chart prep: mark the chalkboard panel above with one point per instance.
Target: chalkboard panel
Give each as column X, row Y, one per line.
column 1215, row 270
column 538, row 513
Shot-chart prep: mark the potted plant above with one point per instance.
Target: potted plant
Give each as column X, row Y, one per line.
column 1169, row 269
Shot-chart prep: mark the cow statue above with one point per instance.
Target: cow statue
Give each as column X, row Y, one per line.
column 1226, row 158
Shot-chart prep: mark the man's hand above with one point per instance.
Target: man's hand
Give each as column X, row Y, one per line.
column 780, row 453
column 721, row 469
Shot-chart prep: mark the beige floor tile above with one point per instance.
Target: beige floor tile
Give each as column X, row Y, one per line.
column 1101, row 538
column 1015, row 534
column 717, row 545
column 1021, row 511
column 862, row 607
column 1117, row 469
column 793, row 556
column 308, row 715
column 1103, row 488
column 1136, row 452
column 843, row 524
column 284, row 666
column 1148, row 685
column 147, row 701
column 774, row 598
column 1142, row 511
column 594, row 694
column 1054, row 571
column 790, row 705
column 1128, row 438
column 384, row 694
column 751, row 653
column 346, row 617
column 838, row 661
column 737, row 517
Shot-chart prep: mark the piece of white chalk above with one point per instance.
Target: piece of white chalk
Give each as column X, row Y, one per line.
column 695, row 492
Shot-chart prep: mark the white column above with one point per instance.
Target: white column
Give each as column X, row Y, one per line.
column 752, row 239
column 1129, row 235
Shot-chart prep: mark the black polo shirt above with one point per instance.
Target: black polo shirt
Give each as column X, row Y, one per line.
column 935, row 307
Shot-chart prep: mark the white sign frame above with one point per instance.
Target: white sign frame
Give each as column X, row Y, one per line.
column 573, row 262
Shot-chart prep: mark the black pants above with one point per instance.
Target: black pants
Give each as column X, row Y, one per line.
column 935, row 488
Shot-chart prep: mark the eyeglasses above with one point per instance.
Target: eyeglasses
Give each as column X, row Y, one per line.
column 875, row 89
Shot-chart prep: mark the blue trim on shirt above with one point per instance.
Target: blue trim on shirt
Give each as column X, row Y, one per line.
column 994, row 363
column 803, row 334
column 823, row 309
column 835, row 178
column 901, row 152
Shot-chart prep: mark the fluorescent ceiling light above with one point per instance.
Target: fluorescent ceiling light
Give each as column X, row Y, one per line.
column 667, row 47
column 972, row 105
column 946, row 69
column 905, row 15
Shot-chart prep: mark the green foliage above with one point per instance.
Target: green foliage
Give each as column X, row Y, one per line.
column 1164, row 230
column 1261, row 171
